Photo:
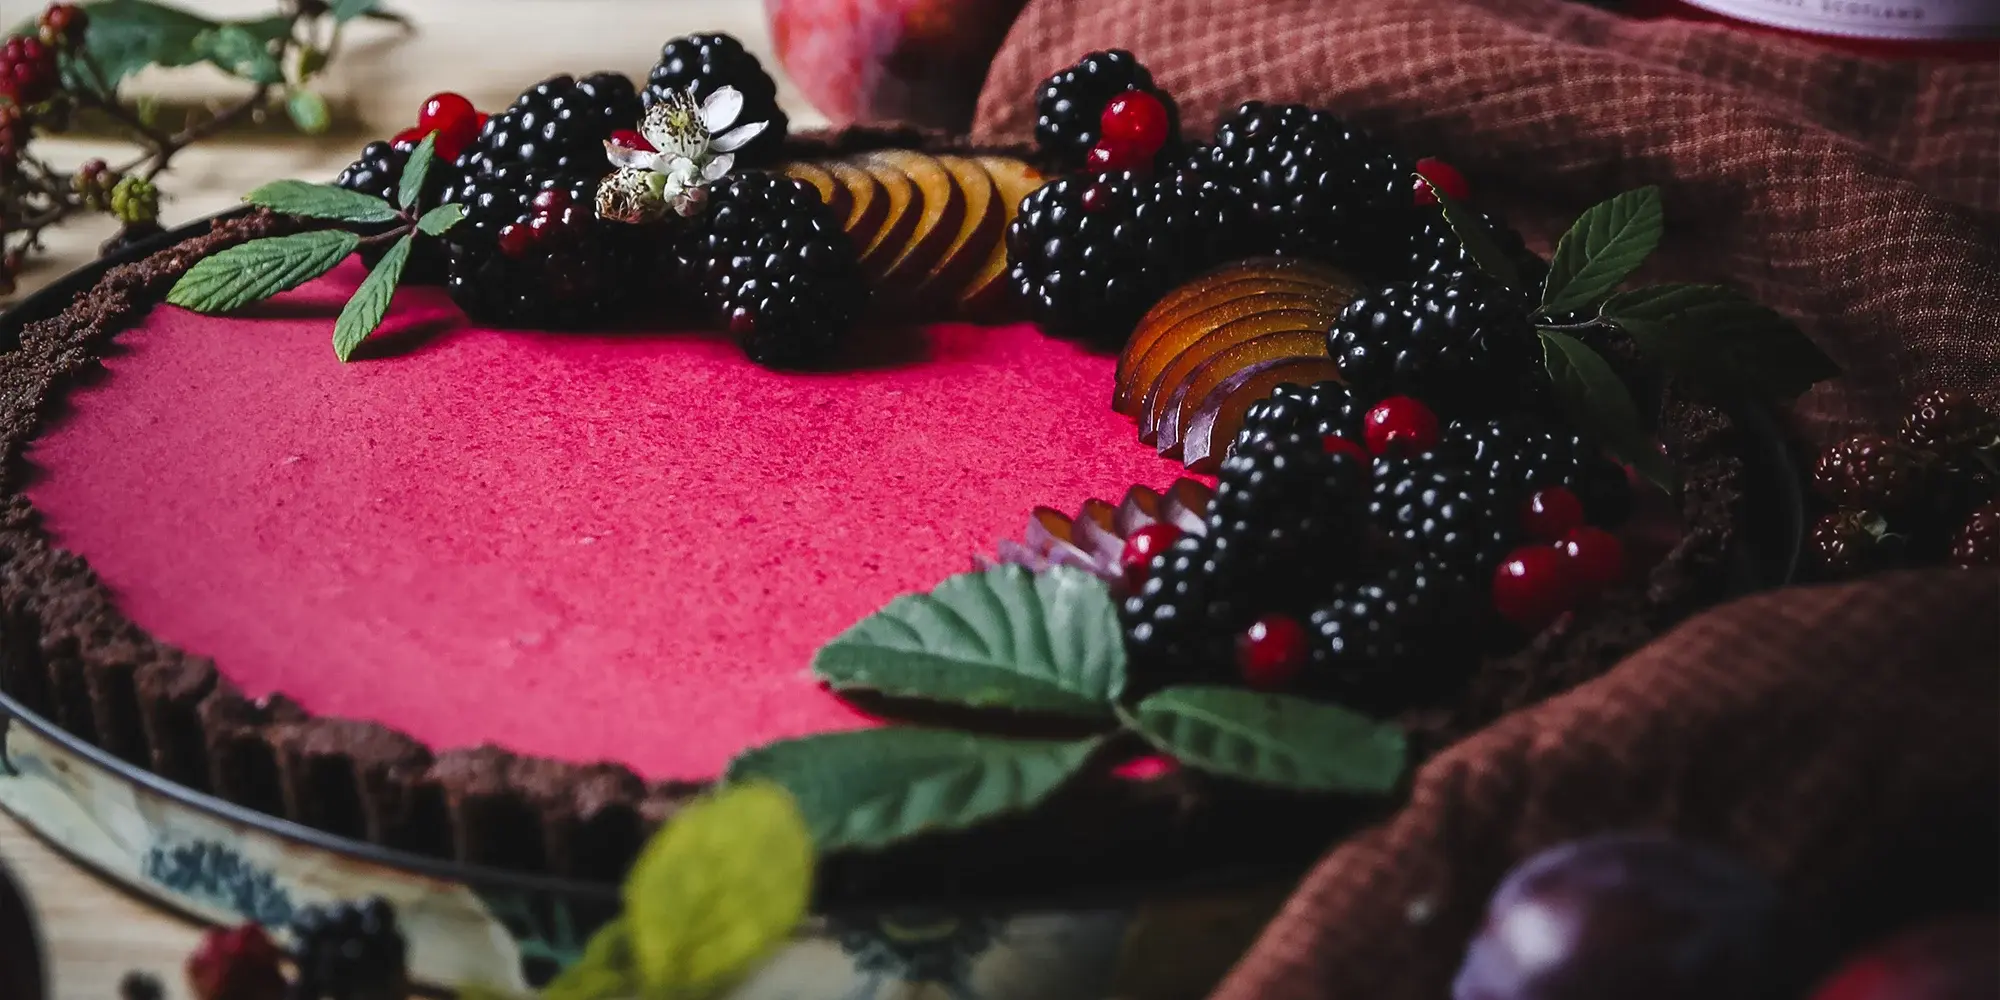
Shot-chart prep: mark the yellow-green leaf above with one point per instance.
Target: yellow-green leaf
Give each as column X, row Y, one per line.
column 604, row 972
column 718, row 889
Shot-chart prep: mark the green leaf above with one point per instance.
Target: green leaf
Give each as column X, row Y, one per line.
column 321, row 201
column 364, row 312
column 1595, row 397
column 1722, row 338
column 436, row 221
column 1478, row 242
column 720, row 887
column 347, row 10
column 868, row 788
column 1604, row 247
column 234, row 49
column 308, row 111
column 126, row 36
column 605, row 970
column 999, row 638
column 415, row 170
column 1271, row 739
column 260, row 269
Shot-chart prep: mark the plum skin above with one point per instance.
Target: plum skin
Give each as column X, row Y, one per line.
column 1631, row 916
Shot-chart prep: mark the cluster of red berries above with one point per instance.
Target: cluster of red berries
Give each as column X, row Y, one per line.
column 452, row 117
column 1132, row 130
column 341, row 951
column 28, row 70
column 1565, row 562
column 1928, row 494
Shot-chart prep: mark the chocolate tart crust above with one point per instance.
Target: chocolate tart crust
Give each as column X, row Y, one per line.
column 68, row 653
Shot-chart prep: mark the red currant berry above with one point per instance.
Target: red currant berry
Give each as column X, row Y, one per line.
column 1334, row 444
column 1431, row 170
column 1533, row 587
column 1399, row 423
column 1136, row 558
column 1112, row 155
column 625, row 138
column 1550, row 514
column 1596, row 557
column 1136, row 117
column 446, row 112
column 1270, row 652
column 515, row 240
column 235, row 963
column 63, row 23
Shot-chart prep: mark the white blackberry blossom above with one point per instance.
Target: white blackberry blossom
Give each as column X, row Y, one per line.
column 694, row 145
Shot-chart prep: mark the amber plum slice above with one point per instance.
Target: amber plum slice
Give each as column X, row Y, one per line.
column 1220, row 416
column 831, row 191
column 939, row 207
column 1200, row 292
column 867, row 203
column 1277, row 319
column 1177, row 411
column 1132, row 386
column 986, row 291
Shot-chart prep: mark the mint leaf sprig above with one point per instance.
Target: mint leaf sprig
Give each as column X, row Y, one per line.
column 1012, row 643
column 262, row 268
column 1710, row 335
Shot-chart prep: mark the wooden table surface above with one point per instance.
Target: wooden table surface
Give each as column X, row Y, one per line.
column 488, row 50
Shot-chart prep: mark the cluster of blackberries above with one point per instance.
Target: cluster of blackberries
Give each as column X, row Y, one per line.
column 340, row 951
column 532, row 253
column 1273, row 180
column 1350, row 535
column 1928, row 494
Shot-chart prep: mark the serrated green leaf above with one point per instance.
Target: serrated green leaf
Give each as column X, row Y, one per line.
column 260, row 269
column 321, row 201
column 1722, row 338
column 721, row 886
column 605, row 971
column 998, row 638
column 1272, row 739
column 233, row 49
column 308, row 112
column 1595, row 397
column 870, row 788
column 347, row 10
column 1478, row 242
column 364, row 312
column 126, row 36
column 1603, row 248
column 440, row 219
column 415, row 169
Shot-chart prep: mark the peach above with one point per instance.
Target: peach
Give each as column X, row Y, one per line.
column 914, row 61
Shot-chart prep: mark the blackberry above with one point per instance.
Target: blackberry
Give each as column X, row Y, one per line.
column 1950, row 425
column 1315, row 185
column 1070, row 104
column 1871, row 471
column 1519, row 455
column 378, row 171
column 1444, row 512
column 348, row 951
column 772, row 262
column 1323, row 409
column 1977, row 542
column 531, row 253
column 558, row 125
column 710, row 62
column 1286, row 513
column 1462, row 343
column 1436, row 252
column 1090, row 255
column 1380, row 644
column 1182, row 622
column 1848, row 543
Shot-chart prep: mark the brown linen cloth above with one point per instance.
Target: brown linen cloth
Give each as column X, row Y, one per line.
column 1847, row 738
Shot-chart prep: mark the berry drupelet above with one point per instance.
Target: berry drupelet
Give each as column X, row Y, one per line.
column 532, row 254
column 772, row 263
column 558, row 125
column 1383, row 642
column 1090, row 255
column 1287, row 511
column 350, row 951
column 1442, row 511
column 1315, row 185
column 1462, row 343
column 708, row 62
column 1071, row 118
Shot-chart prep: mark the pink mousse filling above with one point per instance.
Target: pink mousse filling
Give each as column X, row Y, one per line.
column 619, row 547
